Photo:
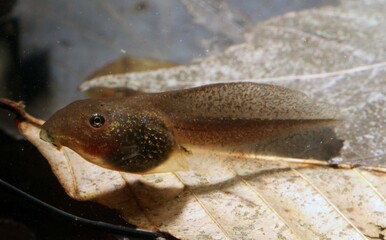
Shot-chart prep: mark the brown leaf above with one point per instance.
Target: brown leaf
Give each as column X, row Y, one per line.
column 250, row 197
column 333, row 54
column 124, row 65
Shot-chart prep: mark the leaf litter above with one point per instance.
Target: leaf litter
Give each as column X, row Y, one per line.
column 264, row 198
column 253, row 198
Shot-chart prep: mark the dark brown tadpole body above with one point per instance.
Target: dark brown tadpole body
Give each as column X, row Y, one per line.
column 141, row 132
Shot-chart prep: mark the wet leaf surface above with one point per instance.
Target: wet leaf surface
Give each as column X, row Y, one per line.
column 234, row 198
column 334, row 54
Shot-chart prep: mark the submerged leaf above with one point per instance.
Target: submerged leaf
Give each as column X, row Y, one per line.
column 238, row 197
column 334, row 55
column 124, row 65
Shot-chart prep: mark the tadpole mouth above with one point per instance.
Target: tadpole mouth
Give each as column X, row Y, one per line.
column 45, row 136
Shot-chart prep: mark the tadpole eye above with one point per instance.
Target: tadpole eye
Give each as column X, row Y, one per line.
column 97, row 120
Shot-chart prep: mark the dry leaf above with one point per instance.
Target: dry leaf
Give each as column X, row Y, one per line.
column 333, row 54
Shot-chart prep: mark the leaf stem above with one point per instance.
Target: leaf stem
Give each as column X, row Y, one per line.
column 18, row 109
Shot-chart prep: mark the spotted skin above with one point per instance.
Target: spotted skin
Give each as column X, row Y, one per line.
column 144, row 143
